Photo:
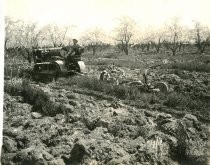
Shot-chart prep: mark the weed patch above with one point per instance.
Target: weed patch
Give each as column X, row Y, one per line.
column 187, row 103
column 13, row 86
column 133, row 96
column 40, row 100
column 119, row 91
column 189, row 151
column 20, row 70
column 190, row 66
column 119, row 63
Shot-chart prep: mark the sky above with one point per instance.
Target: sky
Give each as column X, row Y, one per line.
column 104, row 13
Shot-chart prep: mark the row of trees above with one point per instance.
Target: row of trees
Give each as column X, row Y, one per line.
column 173, row 36
column 23, row 34
column 127, row 34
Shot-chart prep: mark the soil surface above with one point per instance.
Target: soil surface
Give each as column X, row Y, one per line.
column 93, row 128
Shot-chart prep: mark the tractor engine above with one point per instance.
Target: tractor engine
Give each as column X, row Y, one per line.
column 49, row 64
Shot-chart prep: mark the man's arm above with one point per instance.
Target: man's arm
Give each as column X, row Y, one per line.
column 70, row 52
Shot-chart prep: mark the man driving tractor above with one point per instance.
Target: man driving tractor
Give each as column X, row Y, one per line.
column 74, row 54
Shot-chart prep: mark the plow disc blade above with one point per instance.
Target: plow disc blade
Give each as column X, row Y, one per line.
column 162, row 86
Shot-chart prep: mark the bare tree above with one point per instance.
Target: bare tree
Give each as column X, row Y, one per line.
column 14, row 31
column 8, row 28
column 23, row 36
column 184, row 38
column 31, row 35
column 30, row 39
column 173, row 35
column 201, row 36
column 157, row 39
column 147, row 38
column 56, row 35
column 143, row 38
column 124, row 32
column 11, row 26
column 94, row 39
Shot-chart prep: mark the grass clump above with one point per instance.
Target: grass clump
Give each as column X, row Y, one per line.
column 128, row 63
column 135, row 97
column 119, row 91
column 40, row 100
column 175, row 99
column 187, row 103
column 189, row 151
column 12, row 69
column 93, row 83
column 190, row 66
column 13, row 86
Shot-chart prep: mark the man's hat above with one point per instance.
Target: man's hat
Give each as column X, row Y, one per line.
column 75, row 40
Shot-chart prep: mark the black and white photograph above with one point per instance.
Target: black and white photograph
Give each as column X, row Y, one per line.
column 105, row 82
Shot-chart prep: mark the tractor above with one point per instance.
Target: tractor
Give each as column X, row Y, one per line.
column 49, row 64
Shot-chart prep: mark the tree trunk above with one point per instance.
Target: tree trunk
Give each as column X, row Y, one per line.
column 29, row 58
column 173, row 52
column 180, row 46
column 148, row 46
column 94, row 50
column 199, row 49
column 158, row 49
column 203, row 48
column 126, row 51
column 126, row 48
column 142, row 47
